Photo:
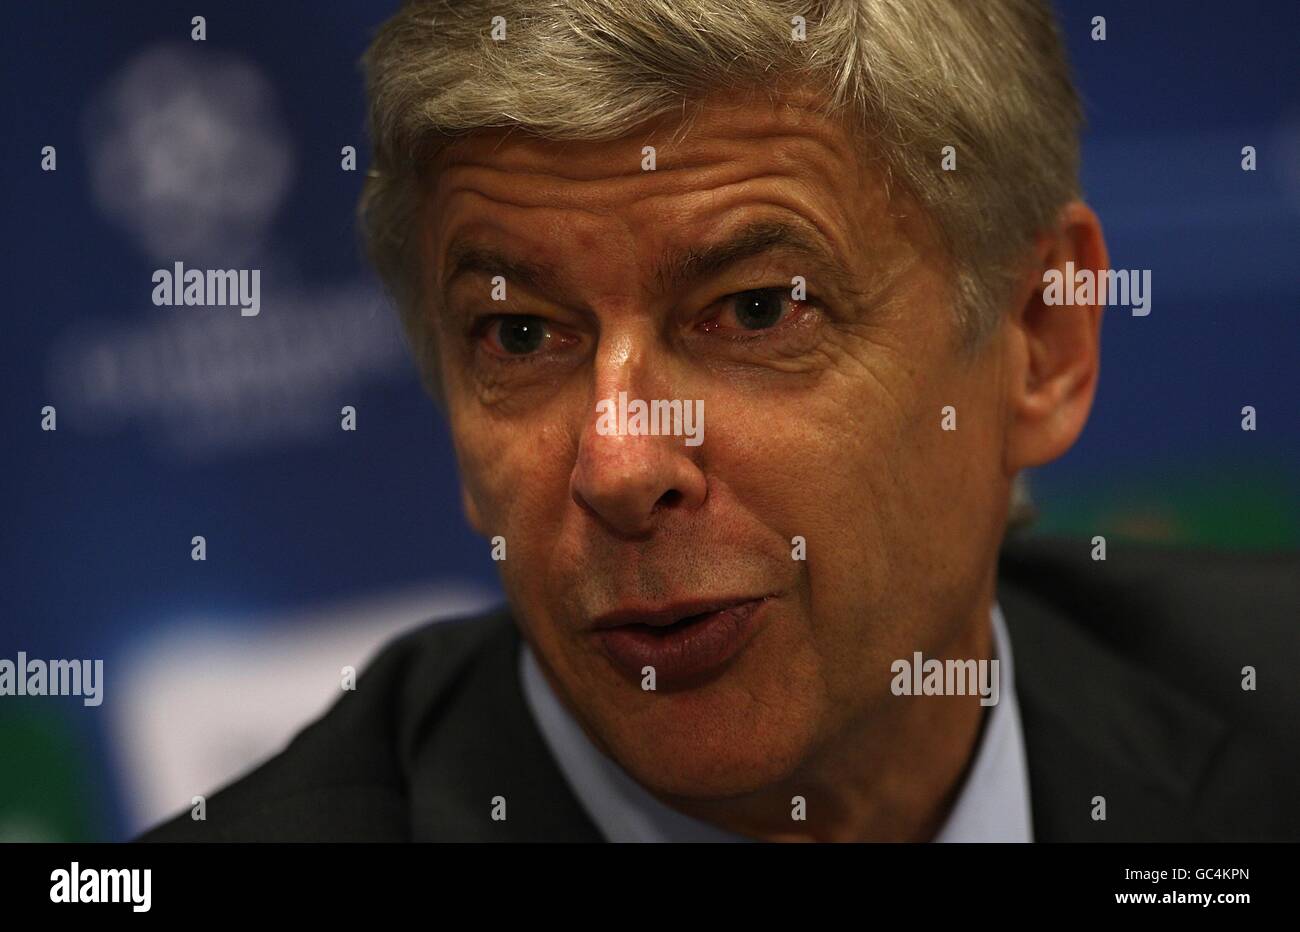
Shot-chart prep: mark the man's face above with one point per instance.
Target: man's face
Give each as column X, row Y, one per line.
column 822, row 422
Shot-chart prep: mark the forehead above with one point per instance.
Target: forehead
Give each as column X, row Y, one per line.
column 730, row 161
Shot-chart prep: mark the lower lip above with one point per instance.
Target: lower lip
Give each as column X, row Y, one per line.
column 683, row 652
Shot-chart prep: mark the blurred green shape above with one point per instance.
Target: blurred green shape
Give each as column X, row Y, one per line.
column 47, row 787
column 1227, row 508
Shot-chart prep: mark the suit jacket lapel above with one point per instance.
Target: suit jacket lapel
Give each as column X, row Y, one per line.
column 482, row 754
column 1096, row 726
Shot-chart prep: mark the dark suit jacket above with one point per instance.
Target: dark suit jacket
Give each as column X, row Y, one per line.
column 1128, row 674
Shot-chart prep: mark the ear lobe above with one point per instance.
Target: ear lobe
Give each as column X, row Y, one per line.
column 471, row 510
column 1055, row 354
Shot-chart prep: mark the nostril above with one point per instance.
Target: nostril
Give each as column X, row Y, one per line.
column 669, row 499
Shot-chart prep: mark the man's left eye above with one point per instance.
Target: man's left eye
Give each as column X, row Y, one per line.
column 760, row 309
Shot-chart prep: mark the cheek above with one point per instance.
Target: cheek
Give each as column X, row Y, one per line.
column 886, row 498
column 764, row 452
column 516, row 473
column 934, row 511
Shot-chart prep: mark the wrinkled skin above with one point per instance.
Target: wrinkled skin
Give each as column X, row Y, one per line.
column 824, row 425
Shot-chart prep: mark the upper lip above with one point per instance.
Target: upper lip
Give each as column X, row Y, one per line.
column 658, row 616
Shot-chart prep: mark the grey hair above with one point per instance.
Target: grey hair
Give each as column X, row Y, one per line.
column 907, row 77
column 988, row 78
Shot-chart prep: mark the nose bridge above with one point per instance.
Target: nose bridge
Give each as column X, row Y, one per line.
column 634, row 367
column 622, row 368
column 629, row 469
column 629, row 358
column 630, row 354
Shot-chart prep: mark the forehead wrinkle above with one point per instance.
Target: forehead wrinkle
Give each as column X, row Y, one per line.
column 467, row 253
column 821, row 241
column 815, row 151
column 675, row 269
column 711, row 150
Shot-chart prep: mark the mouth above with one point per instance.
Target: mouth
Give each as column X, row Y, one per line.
column 684, row 643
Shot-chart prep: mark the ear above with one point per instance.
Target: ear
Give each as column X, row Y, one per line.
column 1053, row 350
column 471, row 510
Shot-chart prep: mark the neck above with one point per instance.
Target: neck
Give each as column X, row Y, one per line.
column 891, row 776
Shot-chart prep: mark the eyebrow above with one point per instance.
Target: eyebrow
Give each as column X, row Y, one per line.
column 473, row 259
column 676, row 268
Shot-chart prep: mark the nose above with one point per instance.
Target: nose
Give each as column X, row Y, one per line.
column 632, row 482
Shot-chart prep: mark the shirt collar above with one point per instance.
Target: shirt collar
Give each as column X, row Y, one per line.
column 993, row 804
column 994, row 801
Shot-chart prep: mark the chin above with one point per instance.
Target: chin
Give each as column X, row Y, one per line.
column 713, row 742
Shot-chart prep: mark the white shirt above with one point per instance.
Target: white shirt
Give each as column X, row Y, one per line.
column 993, row 804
